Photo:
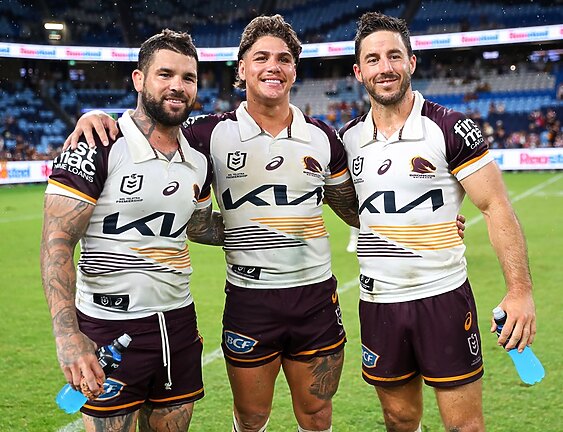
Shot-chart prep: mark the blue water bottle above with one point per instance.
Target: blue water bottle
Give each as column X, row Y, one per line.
column 109, row 357
column 527, row 365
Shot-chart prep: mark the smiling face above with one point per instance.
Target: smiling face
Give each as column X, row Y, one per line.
column 385, row 68
column 168, row 89
column 269, row 70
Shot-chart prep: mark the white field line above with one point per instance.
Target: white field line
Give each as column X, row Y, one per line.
column 77, row 426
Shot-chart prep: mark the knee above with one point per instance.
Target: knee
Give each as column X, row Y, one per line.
column 401, row 420
column 250, row 421
column 317, row 417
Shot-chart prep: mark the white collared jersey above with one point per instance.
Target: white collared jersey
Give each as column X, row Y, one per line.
column 134, row 260
column 270, row 192
column 409, row 194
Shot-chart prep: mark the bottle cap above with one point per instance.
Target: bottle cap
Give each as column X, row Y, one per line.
column 124, row 340
column 498, row 313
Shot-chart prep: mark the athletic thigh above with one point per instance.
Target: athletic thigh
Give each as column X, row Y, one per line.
column 253, row 390
column 461, row 407
column 402, row 405
column 168, row 419
column 313, row 383
column 121, row 423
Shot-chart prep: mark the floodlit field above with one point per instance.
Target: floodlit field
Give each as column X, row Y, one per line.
column 30, row 375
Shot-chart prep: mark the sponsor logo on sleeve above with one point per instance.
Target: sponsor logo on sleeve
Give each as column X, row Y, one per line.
column 468, row 130
column 79, row 162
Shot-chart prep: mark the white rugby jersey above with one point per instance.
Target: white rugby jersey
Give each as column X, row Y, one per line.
column 270, row 191
column 409, row 195
column 134, row 259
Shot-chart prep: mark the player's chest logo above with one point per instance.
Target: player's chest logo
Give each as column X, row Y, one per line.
column 131, row 184
column 357, row 165
column 236, row 160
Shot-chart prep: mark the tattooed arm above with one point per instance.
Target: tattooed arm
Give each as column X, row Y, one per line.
column 343, row 201
column 206, row 227
column 65, row 221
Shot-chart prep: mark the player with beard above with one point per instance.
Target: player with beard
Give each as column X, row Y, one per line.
column 132, row 206
column 412, row 162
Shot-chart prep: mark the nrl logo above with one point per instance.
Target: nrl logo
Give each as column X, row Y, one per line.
column 236, row 160
column 131, row 184
column 357, row 165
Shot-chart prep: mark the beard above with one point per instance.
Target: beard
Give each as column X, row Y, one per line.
column 390, row 98
column 156, row 110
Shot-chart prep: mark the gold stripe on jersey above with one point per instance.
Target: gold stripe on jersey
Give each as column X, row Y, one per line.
column 74, row 191
column 422, row 237
column 469, row 162
column 302, row 227
column 309, row 352
column 170, row 257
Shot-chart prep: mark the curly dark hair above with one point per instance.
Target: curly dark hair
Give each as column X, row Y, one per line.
column 273, row 25
column 165, row 40
column 371, row 22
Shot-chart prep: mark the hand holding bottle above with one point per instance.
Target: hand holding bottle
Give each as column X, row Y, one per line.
column 527, row 365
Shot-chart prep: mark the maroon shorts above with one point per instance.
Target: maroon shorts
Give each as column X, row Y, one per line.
column 298, row 323
column 142, row 377
column 437, row 337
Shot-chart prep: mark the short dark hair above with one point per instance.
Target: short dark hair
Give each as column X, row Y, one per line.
column 273, row 25
column 167, row 39
column 371, row 22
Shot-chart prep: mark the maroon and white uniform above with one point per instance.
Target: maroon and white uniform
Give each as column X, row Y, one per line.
column 270, row 191
column 417, row 312
column 134, row 257
column 409, row 195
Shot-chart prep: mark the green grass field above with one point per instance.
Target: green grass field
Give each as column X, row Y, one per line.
column 30, row 376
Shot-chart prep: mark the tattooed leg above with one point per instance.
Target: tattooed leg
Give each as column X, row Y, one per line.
column 170, row 419
column 124, row 423
column 312, row 385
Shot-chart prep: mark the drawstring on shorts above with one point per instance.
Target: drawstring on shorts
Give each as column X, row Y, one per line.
column 165, row 349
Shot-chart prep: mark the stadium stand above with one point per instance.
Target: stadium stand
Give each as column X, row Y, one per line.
column 517, row 96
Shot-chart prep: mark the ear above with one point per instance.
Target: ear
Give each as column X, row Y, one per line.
column 241, row 70
column 138, row 80
column 412, row 64
column 358, row 73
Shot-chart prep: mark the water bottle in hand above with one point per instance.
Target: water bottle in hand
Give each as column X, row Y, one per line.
column 527, row 365
column 109, row 357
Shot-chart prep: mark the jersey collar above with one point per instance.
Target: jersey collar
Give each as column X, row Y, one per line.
column 412, row 129
column 248, row 128
column 140, row 148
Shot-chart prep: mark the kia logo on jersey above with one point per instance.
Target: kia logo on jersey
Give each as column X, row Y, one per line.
column 236, row 160
column 131, row 184
column 357, row 165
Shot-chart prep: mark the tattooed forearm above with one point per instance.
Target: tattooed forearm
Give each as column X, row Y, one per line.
column 343, row 201
column 206, row 226
column 65, row 221
column 326, row 372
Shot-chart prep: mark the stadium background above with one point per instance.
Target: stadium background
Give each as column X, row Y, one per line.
column 513, row 90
